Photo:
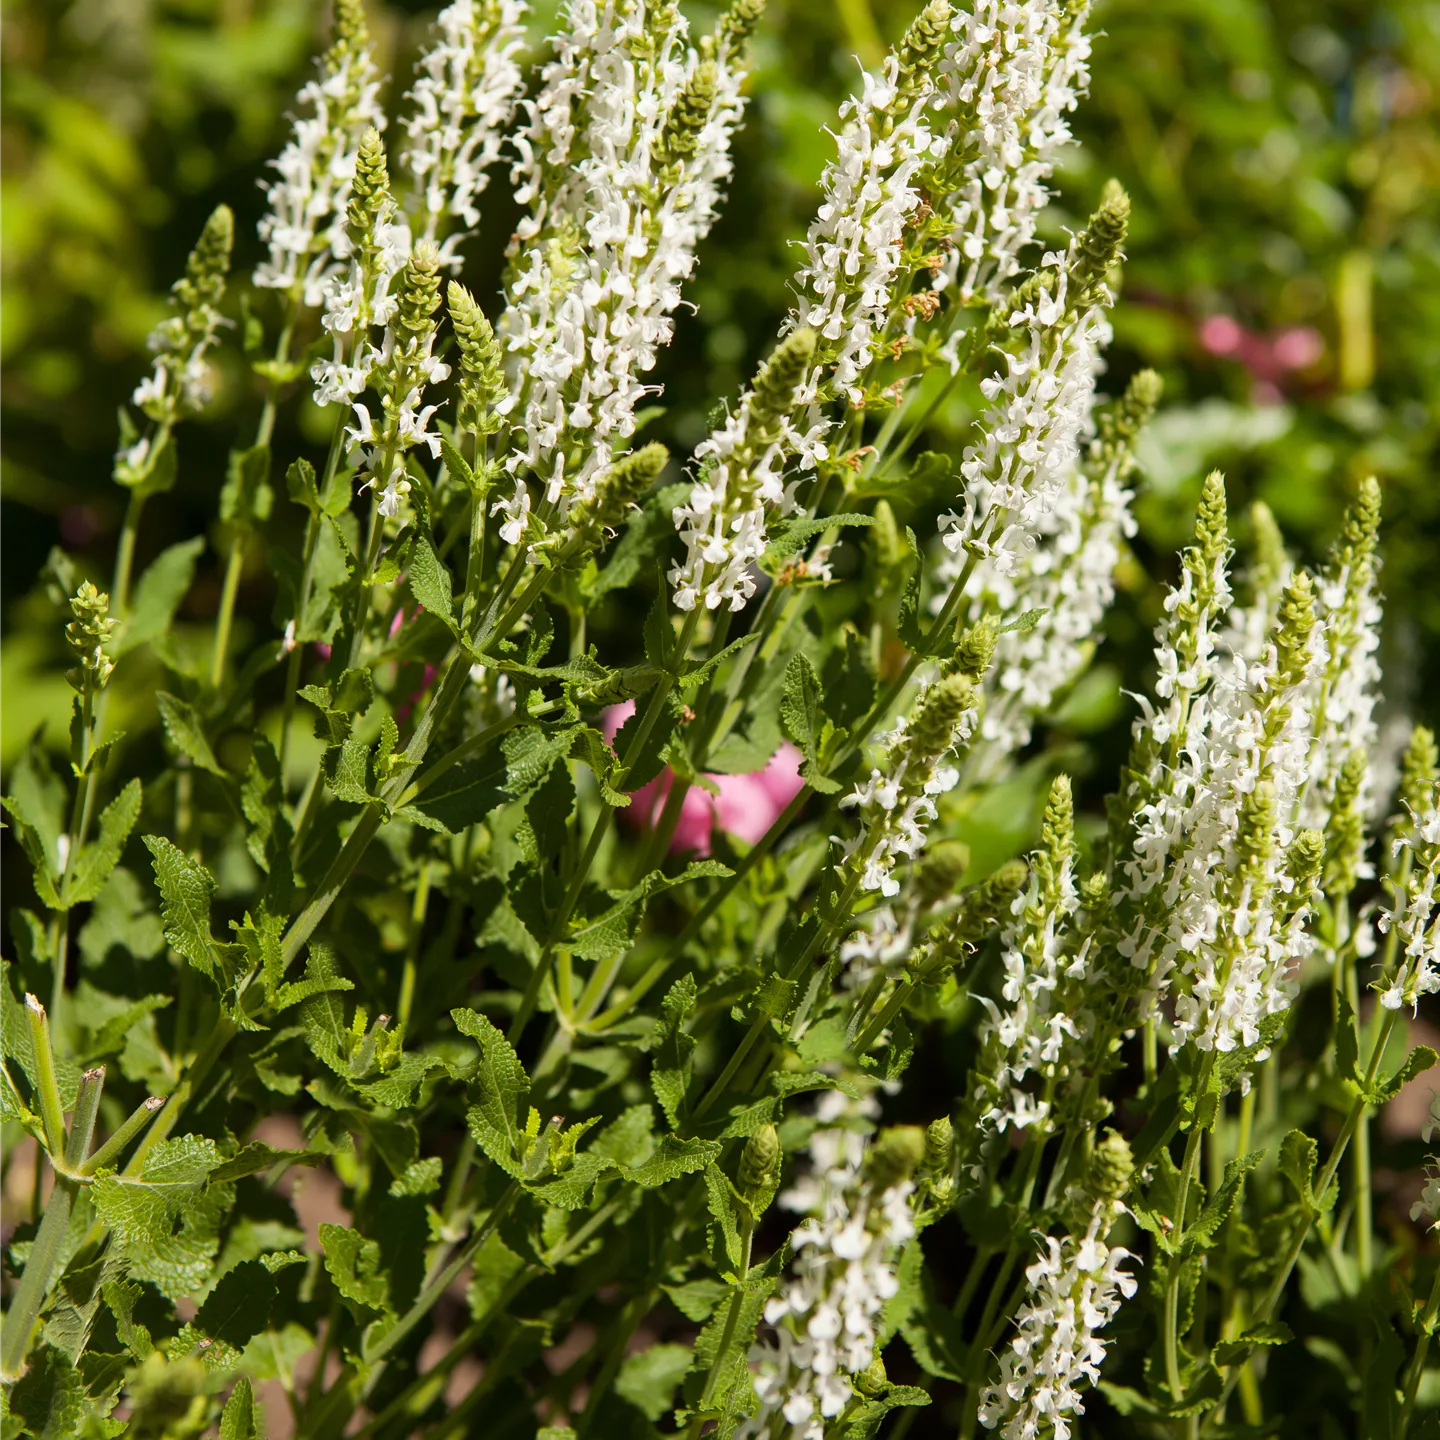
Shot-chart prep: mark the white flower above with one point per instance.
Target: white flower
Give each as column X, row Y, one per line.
column 616, row 210
column 1029, row 435
column 461, row 105
column 1413, row 916
column 1074, row 1290
column 1014, row 70
column 826, row 1317
column 304, row 227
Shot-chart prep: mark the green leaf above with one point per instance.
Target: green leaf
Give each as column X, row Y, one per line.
column 354, row 1265
column 431, row 585
column 239, row 1306
column 465, row 793
column 696, row 1300
column 1419, row 1060
column 804, row 720
column 246, row 496
column 1026, row 620
column 459, row 467
column 1298, row 1156
column 789, row 536
column 347, row 772
column 1230, row 1352
column 98, row 858
column 673, row 1049
column 727, row 1209
column 495, row 1266
column 649, row 1379
column 257, row 1157
column 182, row 725
column 529, row 755
column 673, row 1158
column 158, row 595
column 185, row 890
column 502, row 1090
column 49, row 1399
column 697, row 674
column 909, row 624
column 321, row 978
column 1201, row 1235
column 240, row 1422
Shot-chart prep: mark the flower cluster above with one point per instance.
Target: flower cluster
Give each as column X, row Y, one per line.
column 1412, row 921
column 1073, row 1291
column 1015, row 69
column 1040, row 400
column 179, row 384
column 826, row 1319
column 722, row 522
column 869, row 192
column 1067, row 582
column 400, row 370
column 896, row 803
column 623, row 157
column 304, row 227
column 375, row 246
column 461, row 106
column 1047, row 981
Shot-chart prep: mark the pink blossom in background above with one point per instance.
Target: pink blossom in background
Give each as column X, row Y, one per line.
column 746, row 806
column 1269, row 357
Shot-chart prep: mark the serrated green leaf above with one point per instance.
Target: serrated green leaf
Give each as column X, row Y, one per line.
column 431, row 585
column 185, row 889
column 673, row 1049
column 239, row 1421
column 803, row 716
column 257, row 1157
column 727, row 1209
column 355, row 1266
column 787, row 538
column 182, row 725
column 158, row 595
column 95, row 862
column 1419, row 1060
column 239, row 1305
column 673, row 1157
column 502, row 1091
column 347, row 772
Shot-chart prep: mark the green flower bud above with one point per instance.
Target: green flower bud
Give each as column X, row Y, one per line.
column 1302, row 864
column 976, row 648
column 939, row 1163
column 773, row 394
column 738, row 23
column 1212, row 537
column 1293, row 628
column 686, row 120
column 1119, row 424
column 1255, row 837
column 1345, row 826
column 419, row 296
column 1098, row 246
column 938, row 875
column 937, row 714
column 1418, row 768
column 202, row 287
column 895, row 1156
column 617, row 489
column 887, row 542
column 992, row 898
column 759, row 1171
column 482, row 373
column 1111, row 1167
column 872, row 1380
column 1057, row 839
column 88, row 634
column 919, row 51
column 370, row 190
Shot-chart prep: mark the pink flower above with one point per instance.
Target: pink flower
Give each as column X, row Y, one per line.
column 1221, row 335
column 746, row 805
column 1269, row 357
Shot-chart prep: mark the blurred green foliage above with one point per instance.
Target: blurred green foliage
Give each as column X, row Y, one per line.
column 1283, row 158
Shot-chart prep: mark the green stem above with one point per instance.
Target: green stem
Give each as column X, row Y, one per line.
column 114, row 1147
column 1427, row 1325
column 727, row 1335
column 1170, row 1337
column 50, row 1238
column 125, row 554
column 426, row 1300
column 47, row 1090
column 233, row 569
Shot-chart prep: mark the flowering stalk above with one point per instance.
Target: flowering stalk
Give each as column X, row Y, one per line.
column 825, row 1320
column 461, row 104
column 1068, row 580
column 304, row 228
column 1029, row 436
column 1073, row 1290
column 178, row 386
column 624, row 156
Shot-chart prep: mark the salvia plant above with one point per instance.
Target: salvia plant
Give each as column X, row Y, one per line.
column 443, row 1027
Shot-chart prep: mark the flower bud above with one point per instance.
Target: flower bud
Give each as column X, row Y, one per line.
column 976, row 648
column 895, row 1156
column 937, row 714
column 482, row 374
column 759, row 1171
column 873, row 1380
column 1111, row 1166
column 1099, row 244
column 1294, row 627
column 938, row 875
column 773, row 395
column 88, row 634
